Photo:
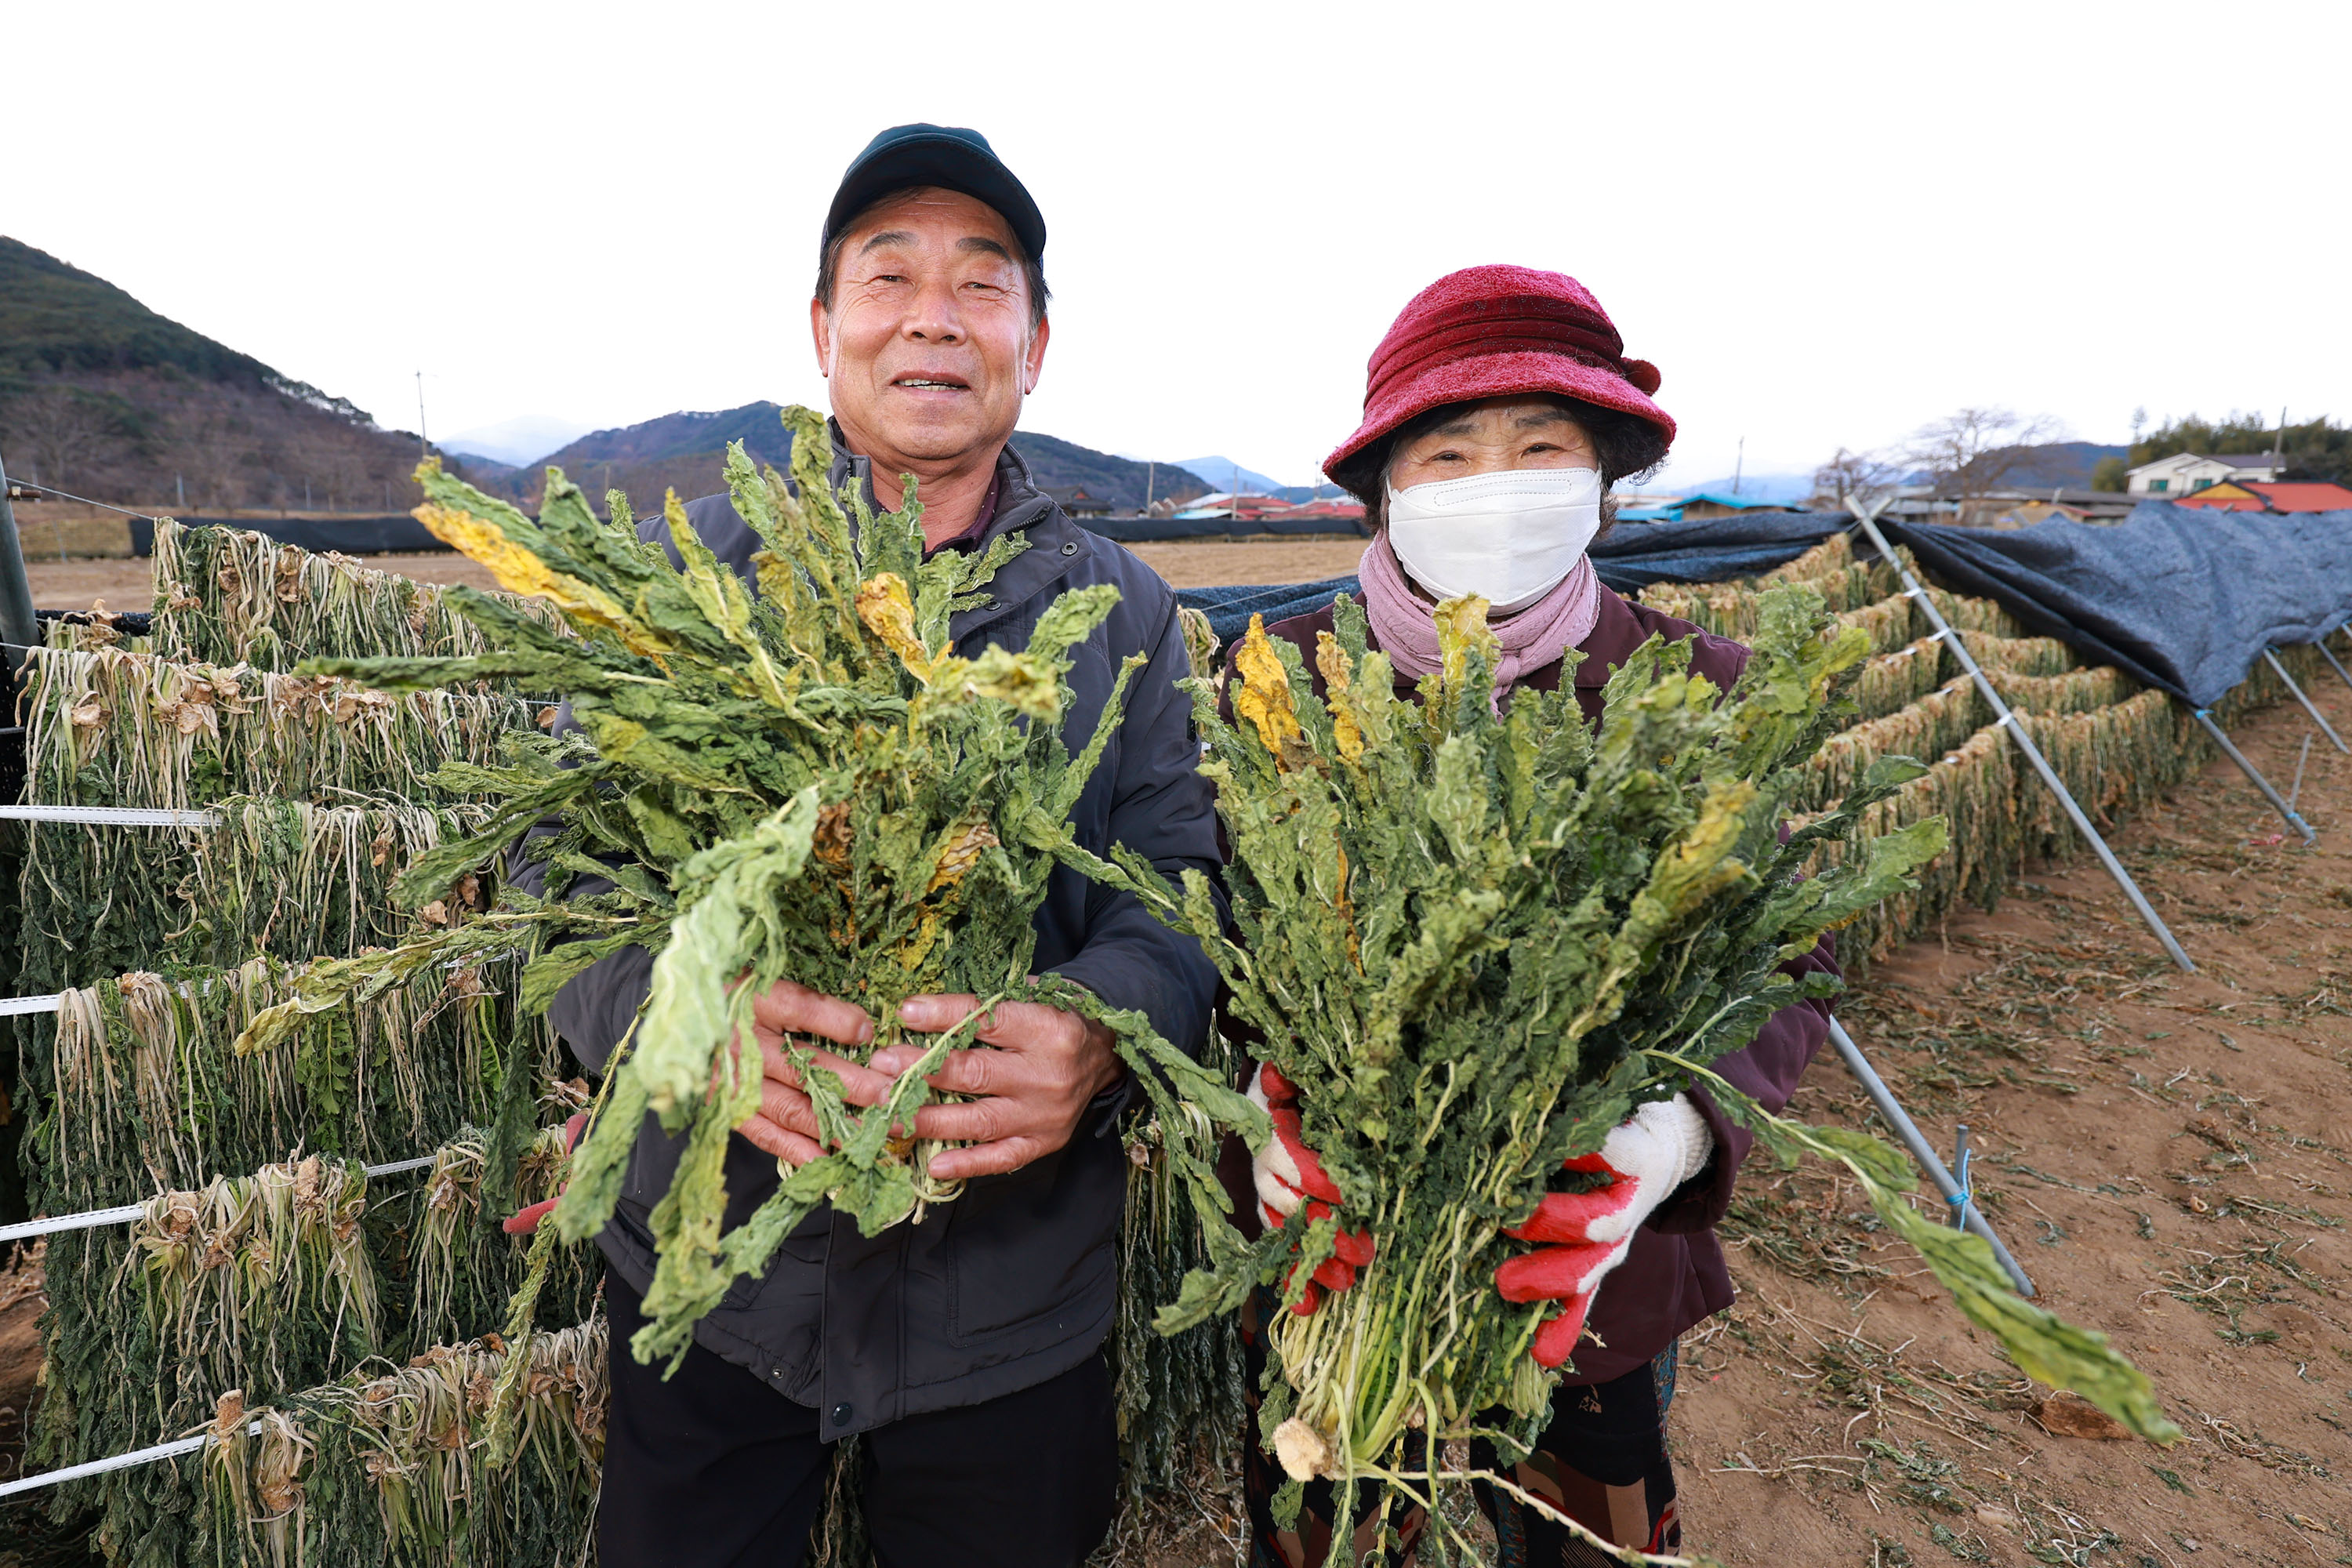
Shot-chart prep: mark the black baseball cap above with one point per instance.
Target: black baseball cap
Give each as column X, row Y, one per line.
column 951, row 157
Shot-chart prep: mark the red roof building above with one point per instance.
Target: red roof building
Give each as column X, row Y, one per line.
column 2285, row 495
column 1339, row 510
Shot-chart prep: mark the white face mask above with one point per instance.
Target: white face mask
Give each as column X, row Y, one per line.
column 1509, row 537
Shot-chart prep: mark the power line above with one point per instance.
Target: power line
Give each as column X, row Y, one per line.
column 85, row 501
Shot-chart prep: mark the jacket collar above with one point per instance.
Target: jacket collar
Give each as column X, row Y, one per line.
column 1616, row 633
column 1021, row 507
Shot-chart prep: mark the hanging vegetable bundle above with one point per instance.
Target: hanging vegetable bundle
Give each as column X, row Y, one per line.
column 394, row 1469
column 809, row 785
column 1476, row 941
column 227, row 595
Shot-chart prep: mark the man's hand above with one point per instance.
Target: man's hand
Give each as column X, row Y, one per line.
column 1029, row 1091
column 786, row 1126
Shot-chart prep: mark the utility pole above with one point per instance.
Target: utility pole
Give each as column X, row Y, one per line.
column 1151, row 471
column 423, row 445
column 1740, row 465
column 181, row 485
column 2278, row 442
column 18, row 625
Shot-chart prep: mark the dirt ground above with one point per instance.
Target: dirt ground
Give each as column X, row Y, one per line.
column 127, row 585
column 2171, row 1158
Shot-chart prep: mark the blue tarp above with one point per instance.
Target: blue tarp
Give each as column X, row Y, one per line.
column 398, row 533
column 1230, row 609
column 1158, row 530
column 2184, row 598
column 1632, row 555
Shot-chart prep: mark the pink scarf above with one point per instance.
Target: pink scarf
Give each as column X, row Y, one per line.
column 1530, row 638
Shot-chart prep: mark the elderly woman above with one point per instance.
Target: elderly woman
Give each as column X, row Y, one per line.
column 1499, row 412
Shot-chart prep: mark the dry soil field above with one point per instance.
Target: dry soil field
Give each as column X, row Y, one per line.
column 125, row 584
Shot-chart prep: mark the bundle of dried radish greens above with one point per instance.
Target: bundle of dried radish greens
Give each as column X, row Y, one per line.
column 1476, row 941
column 807, row 784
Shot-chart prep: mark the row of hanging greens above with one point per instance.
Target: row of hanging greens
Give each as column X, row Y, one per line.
column 228, row 597
column 288, row 877
column 265, row 1268
column 268, row 1285
column 469, row 1454
column 2116, row 745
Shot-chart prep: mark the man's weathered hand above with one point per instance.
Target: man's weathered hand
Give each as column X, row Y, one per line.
column 1029, row 1091
column 786, row 1125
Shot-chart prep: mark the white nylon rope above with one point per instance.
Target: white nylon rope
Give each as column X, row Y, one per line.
column 111, row 815
column 118, row 1462
column 178, row 1445
column 89, row 1218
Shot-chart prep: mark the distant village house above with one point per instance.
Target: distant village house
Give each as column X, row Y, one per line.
column 1079, row 501
column 2186, row 473
column 2250, row 495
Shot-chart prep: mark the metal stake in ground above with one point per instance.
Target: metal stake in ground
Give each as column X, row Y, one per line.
column 1894, row 1116
column 18, row 625
column 2309, row 707
column 2329, row 655
column 2213, row 732
column 2010, row 722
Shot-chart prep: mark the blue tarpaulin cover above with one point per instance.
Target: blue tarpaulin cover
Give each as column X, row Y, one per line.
column 1632, row 555
column 396, row 534
column 1229, row 609
column 2184, row 598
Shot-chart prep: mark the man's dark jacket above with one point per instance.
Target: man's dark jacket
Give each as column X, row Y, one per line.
column 1015, row 1282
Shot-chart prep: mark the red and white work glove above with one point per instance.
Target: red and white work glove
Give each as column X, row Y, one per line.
column 1286, row 1173
column 524, row 1221
column 1583, row 1235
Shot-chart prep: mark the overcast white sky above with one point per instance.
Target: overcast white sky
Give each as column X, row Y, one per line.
column 1826, row 224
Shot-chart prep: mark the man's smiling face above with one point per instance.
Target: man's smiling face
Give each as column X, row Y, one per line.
column 928, row 347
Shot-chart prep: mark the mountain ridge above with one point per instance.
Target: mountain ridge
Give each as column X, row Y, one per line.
column 685, row 451
column 101, row 394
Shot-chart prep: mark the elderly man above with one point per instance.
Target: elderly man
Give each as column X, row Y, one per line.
column 966, row 1350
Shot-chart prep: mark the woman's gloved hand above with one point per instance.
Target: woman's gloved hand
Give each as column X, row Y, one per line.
column 1583, row 1235
column 1286, row 1173
column 525, row 1221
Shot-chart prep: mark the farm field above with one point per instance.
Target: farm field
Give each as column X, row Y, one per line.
column 2171, row 1158
column 124, row 584
column 2166, row 1153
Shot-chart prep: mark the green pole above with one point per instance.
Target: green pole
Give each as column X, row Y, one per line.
column 18, row 623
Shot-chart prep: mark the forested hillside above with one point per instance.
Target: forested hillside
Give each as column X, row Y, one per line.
column 101, row 396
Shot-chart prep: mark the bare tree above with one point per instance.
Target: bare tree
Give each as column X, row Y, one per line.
column 1865, row 477
column 54, row 432
column 210, row 449
column 1971, row 453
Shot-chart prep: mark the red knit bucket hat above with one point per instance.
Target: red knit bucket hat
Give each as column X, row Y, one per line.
column 1496, row 331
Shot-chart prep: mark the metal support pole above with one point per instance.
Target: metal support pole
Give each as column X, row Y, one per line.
column 2329, row 655
column 18, row 625
column 2309, row 707
column 1924, row 1152
column 2295, row 819
column 2010, row 721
